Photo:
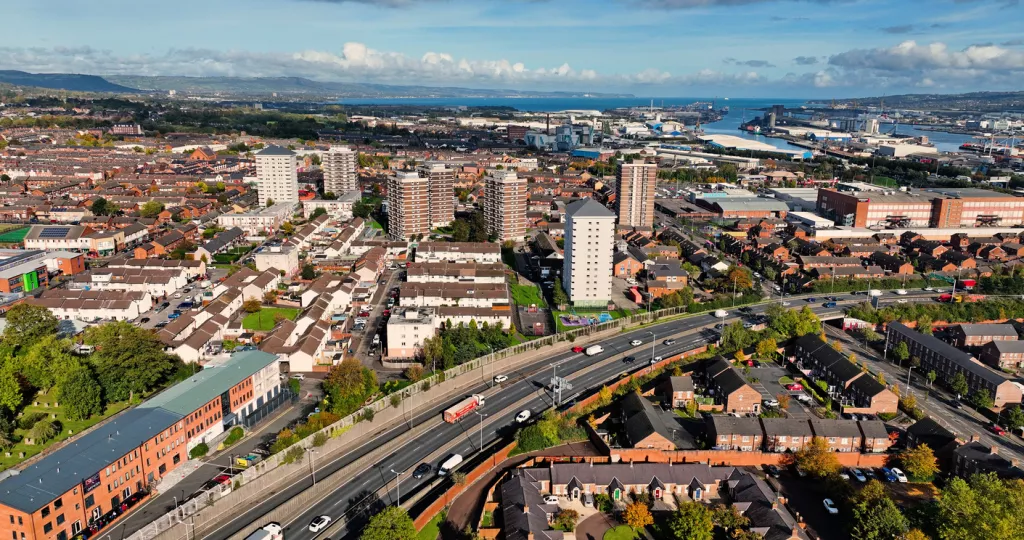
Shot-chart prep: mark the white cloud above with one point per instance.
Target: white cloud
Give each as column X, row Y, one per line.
column 910, row 55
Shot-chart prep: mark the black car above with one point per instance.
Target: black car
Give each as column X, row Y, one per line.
column 161, row 324
column 144, row 320
column 955, row 403
column 628, row 360
column 773, row 471
column 422, row 470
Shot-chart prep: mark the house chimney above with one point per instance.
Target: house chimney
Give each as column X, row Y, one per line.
column 775, row 504
column 526, row 508
column 974, row 438
column 993, row 450
column 591, row 463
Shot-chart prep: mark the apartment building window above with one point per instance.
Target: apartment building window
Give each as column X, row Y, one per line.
column 19, row 521
column 76, row 527
column 47, row 527
column 57, row 504
column 60, row 519
column 46, row 511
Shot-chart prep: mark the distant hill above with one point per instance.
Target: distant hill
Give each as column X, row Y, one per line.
column 970, row 101
column 63, row 81
column 300, row 85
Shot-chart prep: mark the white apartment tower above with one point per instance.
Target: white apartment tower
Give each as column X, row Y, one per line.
column 277, row 178
column 339, row 166
column 636, row 183
column 587, row 266
column 408, row 206
column 442, row 193
column 505, row 205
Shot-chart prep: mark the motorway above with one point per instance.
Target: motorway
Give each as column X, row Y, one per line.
column 464, row 437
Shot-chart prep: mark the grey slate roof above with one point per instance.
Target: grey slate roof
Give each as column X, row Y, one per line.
column 274, row 150
column 588, row 208
column 988, row 330
column 946, row 350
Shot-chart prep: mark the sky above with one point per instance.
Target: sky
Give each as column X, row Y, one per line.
column 663, row 48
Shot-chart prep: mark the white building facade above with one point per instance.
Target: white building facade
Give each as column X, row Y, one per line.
column 277, row 177
column 587, row 267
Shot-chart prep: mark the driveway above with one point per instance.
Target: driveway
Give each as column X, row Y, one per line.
column 619, row 288
column 594, row 527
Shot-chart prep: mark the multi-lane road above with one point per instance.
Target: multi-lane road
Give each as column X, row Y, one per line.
column 530, row 385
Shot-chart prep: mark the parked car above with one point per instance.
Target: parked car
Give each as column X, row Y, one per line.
column 636, row 343
column 888, row 475
column 550, row 499
column 523, row 416
column 771, row 403
column 144, row 320
column 174, row 315
column 498, row 379
column 299, row 377
column 794, row 387
column 319, row 523
column 773, row 471
column 859, row 476
column 900, row 477
column 161, row 324
column 830, row 506
column 577, row 349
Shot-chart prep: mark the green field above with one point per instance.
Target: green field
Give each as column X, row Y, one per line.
column 231, row 255
column 372, row 223
column 432, row 529
column 68, row 428
column 622, row 532
column 13, row 236
column 264, row 320
column 884, row 181
column 524, row 295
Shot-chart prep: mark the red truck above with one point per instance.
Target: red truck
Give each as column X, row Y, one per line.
column 456, row 412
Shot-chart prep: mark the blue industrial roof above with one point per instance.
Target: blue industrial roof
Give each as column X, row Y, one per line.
column 38, row 484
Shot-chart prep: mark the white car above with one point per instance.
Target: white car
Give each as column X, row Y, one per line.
column 786, row 303
column 319, row 523
column 550, row 499
column 498, row 379
column 523, row 416
column 299, row 377
column 177, row 295
column 656, row 359
column 929, row 289
column 843, row 475
column 901, row 292
column 771, row 403
column 858, row 475
column 636, row 343
column 830, row 506
column 901, row 301
column 900, row 477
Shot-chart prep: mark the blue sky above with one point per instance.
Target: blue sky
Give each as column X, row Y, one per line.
column 740, row 48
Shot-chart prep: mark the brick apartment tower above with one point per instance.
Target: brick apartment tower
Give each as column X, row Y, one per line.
column 635, row 187
column 408, row 205
column 339, row 166
column 505, row 205
column 442, row 193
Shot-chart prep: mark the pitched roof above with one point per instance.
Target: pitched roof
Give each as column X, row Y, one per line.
column 588, row 208
column 964, row 360
column 274, row 150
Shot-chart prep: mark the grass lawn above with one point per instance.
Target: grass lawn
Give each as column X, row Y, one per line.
column 431, row 530
column 622, row 532
column 232, row 255
column 67, row 426
column 785, row 380
column 374, row 225
column 264, row 320
column 13, row 236
column 524, row 295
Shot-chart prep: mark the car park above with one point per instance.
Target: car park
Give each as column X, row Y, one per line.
column 498, row 379
column 830, row 506
column 636, row 342
column 550, row 499
column 422, row 470
column 523, row 416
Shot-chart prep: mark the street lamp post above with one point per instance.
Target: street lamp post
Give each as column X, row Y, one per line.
column 654, row 341
column 312, row 465
column 398, row 486
column 482, row 416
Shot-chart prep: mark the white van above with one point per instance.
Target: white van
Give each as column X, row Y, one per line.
column 446, row 468
column 593, row 349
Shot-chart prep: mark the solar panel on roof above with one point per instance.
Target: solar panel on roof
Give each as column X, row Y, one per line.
column 55, row 232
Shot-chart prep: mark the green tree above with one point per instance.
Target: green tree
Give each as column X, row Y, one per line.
column 348, row 385
column 43, row 431
column 362, row 209
column 558, row 295
column 308, row 272
column 767, row 348
column 11, row 396
column 27, row 324
column 270, row 202
column 982, row 507
column 129, row 360
column 1014, row 418
column 460, row 230
column 101, row 207
column 981, row 399
column 566, row 519
column 877, row 520
column 692, row 521
column 80, row 394
column 47, row 362
column 959, row 384
column 392, row 523
column 728, row 517
column 919, row 462
column 317, row 213
column 151, row 209
column 901, row 352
